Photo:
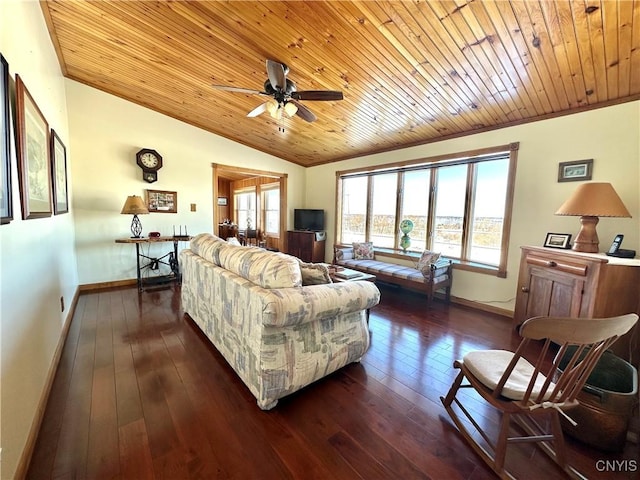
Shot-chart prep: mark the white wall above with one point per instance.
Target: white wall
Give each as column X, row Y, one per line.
column 106, row 132
column 611, row 136
column 37, row 257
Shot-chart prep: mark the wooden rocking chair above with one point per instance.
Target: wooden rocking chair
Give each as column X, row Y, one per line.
column 525, row 392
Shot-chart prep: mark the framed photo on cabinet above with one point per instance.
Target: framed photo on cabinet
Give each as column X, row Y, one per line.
column 558, row 240
column 6, row 208
column 34, row 167
column 59, row 174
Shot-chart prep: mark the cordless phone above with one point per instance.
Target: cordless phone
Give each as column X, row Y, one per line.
column 616, row 251
column 615, row 246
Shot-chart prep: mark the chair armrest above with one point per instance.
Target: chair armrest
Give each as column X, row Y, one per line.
column 294, row 306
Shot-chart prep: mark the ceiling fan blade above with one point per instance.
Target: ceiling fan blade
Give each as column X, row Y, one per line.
column 238, row 90
column 260, row 109
column 304, row 113
column 317, row 95
column 277, row 76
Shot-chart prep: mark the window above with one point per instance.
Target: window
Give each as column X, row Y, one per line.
column 450, row 200
column 383, row 209
column 415, row 207
column 271, row 202
column 460, row 206
column 354, row 209
column 245, row 203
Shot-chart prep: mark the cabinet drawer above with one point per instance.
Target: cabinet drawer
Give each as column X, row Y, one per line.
column 559, row 265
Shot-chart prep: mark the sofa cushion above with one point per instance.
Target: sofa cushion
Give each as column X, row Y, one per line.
column 314, row 273
column 207, row 246
column 262, row 267
column 363, row 250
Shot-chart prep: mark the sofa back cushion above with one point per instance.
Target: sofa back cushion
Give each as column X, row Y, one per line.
column 264, row 268
column 208, row 247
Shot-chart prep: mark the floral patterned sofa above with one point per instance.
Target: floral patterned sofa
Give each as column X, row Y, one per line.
column 274, row 318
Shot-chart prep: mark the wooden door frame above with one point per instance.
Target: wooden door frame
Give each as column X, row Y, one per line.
column 219, row 170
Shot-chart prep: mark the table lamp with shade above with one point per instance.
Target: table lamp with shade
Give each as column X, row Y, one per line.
column 134, row 205
column 590, row 201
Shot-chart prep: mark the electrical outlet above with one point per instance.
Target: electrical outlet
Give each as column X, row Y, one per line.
column 62, row 304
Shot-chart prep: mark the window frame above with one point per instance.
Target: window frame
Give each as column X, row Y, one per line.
column 245, row 191
column 471, row 158
column 264, row 189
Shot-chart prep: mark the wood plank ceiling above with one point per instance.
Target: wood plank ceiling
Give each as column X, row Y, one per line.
column 412, row 72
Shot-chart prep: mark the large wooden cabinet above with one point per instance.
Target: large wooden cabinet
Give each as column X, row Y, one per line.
column 307, row 246
column 565, row 283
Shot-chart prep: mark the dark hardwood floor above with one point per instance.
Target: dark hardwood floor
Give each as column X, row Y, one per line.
column 141, row 394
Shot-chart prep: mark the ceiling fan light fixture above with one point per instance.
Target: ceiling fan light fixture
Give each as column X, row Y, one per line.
column 272, row 107
column 290, row 109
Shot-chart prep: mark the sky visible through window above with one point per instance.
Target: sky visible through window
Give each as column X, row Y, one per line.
column 490, row 198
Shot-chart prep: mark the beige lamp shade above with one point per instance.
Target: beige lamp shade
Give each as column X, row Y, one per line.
column 590, row 201
column 594, row 200
column 134, row 205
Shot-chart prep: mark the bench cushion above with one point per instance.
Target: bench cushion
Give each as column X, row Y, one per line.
column 375, row 267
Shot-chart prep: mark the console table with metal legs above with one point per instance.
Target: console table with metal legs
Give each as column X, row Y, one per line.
column 146, row 262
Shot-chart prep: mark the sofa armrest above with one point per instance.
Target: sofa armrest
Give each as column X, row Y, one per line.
column 294, row 306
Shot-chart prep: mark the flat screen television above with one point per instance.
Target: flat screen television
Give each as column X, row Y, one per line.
column 308, row 219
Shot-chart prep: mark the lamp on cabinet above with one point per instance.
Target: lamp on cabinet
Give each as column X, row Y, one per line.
column 590, row 201
column 134, row 205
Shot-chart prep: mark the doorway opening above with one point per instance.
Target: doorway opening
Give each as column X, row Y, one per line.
column 250, row 202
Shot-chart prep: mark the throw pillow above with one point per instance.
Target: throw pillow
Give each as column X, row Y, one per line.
column 314, row 273
column 426, row 259
column 363, row 250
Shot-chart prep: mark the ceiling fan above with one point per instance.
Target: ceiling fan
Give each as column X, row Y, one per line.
column 285, row 96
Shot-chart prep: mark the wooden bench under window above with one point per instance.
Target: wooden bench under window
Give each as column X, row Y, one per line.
column 401, row 275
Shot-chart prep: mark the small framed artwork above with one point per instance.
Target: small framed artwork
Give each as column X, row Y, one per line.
column 222, row 201
column 577, row 171
column 34, row 167
column 6, row 208
column 59, row 172
column 558, row 240
column 162, row 201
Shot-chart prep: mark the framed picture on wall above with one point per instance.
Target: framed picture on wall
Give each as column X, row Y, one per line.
column 577, row 171
column 34, row 167
column 222, row 201
column 162, row 201
column 6, row 208
column 59, row 172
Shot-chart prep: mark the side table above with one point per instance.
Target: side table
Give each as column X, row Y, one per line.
column 145, row 262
